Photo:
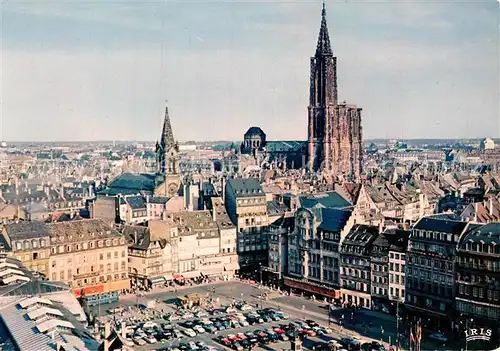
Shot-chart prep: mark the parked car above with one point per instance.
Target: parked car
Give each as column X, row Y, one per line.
column 190, row 332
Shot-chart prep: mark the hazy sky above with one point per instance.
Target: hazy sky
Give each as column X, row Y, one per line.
column 102, row 70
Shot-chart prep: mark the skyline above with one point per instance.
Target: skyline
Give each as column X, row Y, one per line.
column 77, row 65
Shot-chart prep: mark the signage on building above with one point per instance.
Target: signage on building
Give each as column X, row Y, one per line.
column 89, row 290
column 478, row 334
column 332, row 293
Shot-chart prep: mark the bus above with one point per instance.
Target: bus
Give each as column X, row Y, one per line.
column 101, row 299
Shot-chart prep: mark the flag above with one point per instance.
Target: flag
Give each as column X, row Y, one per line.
column 412, row 338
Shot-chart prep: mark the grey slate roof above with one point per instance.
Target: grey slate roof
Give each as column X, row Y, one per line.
column 285, row 146
column 136, row 202
column 143, row 236
column 130, row 183
column 333, row 220
column 440, row 224
column 26, row 230
column 329, row 199
column 275, row 208
column 487, row 233
column 245, row 187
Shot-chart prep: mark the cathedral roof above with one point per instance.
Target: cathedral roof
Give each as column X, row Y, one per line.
column 254, row 131
column 323, row 47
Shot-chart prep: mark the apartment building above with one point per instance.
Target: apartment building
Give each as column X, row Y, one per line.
column 247, row 207
column 313, row 250
column 30, row 243
column 430, row 270
column 478, row 279
column 89, row 256
column 355, row 265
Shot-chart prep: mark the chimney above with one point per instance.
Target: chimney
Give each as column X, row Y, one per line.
column 476, row 208
column 490, row 200
column 135, row 237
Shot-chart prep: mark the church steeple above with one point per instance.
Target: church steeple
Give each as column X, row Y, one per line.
column 323, row 47
column 167, row 136
column 167, row 150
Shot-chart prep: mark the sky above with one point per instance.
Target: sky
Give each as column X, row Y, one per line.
column 103, row 70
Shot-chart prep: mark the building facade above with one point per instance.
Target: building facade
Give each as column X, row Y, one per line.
column 430, row 270
column 397, row 264
column 313, row 250
column 89, row 256
column 478, row 278
column 30, row 244
column 334, row 129
column 247, row 207
column 380, row 273
column 355, row 266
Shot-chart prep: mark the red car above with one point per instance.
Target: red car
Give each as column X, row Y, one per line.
column 279, row 331
column 308, row 332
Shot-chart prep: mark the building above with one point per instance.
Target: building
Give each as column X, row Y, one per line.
column 478, row 279
column 254, row 140
column 380, row 273
column 313, row 249
column 184, row 245
column 355, row 265
column 247, row 207
column 334, row 129
column 89, row 256
column 30, row 243
column 430, row 270
column 150, row 253
column 397, row 267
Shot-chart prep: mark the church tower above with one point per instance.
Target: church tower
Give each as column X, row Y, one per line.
column 334, row 129
column 168, row 161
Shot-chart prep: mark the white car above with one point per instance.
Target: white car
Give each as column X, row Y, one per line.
column 151, row 339
column 246, row 308
column 199, row 329
column 326, row 330
column 243, row 322
column 190, row 332
column 192, row 345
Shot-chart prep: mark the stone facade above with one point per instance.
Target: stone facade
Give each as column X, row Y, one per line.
column 334, row 129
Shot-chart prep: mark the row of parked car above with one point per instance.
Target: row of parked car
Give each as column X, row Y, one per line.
column 231, row 321
column 283, row 332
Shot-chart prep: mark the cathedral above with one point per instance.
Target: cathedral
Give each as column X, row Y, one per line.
column 334, row 143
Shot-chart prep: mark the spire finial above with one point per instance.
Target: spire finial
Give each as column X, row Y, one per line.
column 323, row 46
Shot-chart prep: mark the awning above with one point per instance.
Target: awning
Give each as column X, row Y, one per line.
column 157, row 280
column 233, row 266
column 192, row 274
column 177, row 276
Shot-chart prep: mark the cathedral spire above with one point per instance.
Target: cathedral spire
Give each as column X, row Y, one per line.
column 323, row 47
column 167, row 136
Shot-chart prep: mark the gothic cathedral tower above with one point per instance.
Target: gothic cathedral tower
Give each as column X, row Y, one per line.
column 168, row 160
column 334, row 129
